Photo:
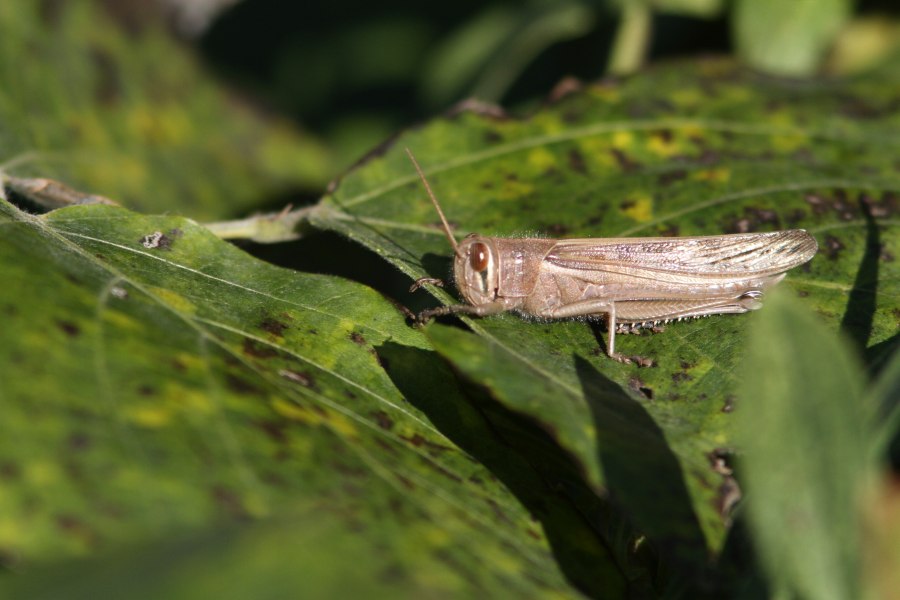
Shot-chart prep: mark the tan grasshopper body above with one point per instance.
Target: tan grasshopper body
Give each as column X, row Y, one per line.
column 630, row 280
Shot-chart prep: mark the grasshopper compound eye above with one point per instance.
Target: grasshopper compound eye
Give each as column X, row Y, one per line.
column 478, row 257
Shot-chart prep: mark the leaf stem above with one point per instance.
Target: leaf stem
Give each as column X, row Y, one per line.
column 632, row 38
column 267, row 228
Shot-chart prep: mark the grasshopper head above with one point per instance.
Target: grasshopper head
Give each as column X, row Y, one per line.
column 475, row 270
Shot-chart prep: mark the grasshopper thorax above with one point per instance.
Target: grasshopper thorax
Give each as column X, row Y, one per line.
column 476, row 269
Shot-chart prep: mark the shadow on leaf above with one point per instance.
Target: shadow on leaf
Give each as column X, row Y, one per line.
column 542, row 477
column 861, row 303
column 642, row 473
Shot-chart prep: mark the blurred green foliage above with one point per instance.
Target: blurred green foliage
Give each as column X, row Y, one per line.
column 356, row 72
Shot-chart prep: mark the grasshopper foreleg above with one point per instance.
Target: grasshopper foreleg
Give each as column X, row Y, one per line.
column 482, row 310
column 421, row 281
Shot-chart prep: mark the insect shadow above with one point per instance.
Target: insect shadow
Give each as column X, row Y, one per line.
column 646, row 492
column 861, row 302
column 642, row 473
column 519, row 453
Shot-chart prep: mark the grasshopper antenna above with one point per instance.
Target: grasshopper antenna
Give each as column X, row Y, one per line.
column 435, row 202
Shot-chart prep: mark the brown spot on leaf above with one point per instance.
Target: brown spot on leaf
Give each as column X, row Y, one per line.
column 557, row 230
column 754, row 219
column 134, row 17
column 625, row 163
column 595, row 219
column 9, row 471
column 79, row 441
column 640, row 387
column 885, row 207
column 670, row 231
column 239, row 385
column 832, row 247
column 672, row 176
column 50, row 12
column 841, row 205
column 107, row 80
column 728, row 405
column 741, row 226
column 68, row 327
column 156, row 241
column 273, row 326
column 664, row 135
column 890, row 201
column 680, row 376
column 795, row 216
column 817, row 203
column 273, row 429
column 258, row 350
column 492, row 137
column 357, row 338
column 860, row 108
column 407, row 483
column 576, row 161
column 392, row 574
column 229, row 502
column 73, row 526
column 383, row 419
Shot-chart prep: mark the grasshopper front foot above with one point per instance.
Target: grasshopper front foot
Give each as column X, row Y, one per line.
column 418, row 283
column 427, row 315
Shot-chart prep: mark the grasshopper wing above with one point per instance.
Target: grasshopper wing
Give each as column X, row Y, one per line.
column 688, row 259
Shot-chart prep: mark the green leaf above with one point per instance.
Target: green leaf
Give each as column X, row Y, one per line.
column 696, row 8
column 687, row 149
column 787, row 38
column 119, row 108
column 158, row 386
column 884, row 398
column 488, row 55
column 803, row 428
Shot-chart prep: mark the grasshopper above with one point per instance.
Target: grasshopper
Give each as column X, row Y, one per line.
column 633, row 281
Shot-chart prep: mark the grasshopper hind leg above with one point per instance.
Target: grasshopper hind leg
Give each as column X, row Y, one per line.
column 611, row 327
column 596, row 307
